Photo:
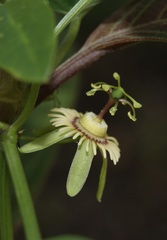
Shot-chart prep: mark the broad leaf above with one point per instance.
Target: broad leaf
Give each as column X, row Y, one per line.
column 26, row 40
column 142, row 21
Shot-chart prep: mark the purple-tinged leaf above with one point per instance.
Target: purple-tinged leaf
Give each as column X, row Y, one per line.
column 142, row 21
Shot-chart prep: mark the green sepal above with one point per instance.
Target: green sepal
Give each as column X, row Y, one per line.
column 92, row 92
column 79, row 169
column 116, row 76
column 113, row 110
column 106, row 87
column 102, row 180
column 95, row 87
column 42, row 142
column 132, row 117
column 136, row 104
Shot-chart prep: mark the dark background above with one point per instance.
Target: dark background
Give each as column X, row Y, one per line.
column 135, row 196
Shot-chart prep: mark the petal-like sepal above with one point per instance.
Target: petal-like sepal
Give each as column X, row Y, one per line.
column 79, row 169
column 42, row 142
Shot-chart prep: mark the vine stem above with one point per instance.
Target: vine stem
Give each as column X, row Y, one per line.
column 78, row 7
column 68, row 40
column 27, row 108
column 6, row 227
column 21, row 187
column 8, row 140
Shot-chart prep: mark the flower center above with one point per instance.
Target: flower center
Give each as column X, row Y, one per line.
column 95, row 126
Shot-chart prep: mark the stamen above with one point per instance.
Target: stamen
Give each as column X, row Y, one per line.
column 103, row 150
column 81, row 140
column 87, row 146
column 77, row 135
column 94, row 147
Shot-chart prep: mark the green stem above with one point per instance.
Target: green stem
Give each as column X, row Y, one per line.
column 9, row 144
column 68, row 40
column 27, row 108
column 6, row 227
column 102, row 180
column 21, row 188
column 4, row 126
column 78, row 7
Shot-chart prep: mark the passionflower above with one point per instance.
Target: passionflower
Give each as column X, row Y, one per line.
column 86, row 128
column 90, row 133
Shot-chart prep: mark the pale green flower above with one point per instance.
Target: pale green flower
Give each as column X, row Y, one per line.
column 90, row 132
column 86, row 128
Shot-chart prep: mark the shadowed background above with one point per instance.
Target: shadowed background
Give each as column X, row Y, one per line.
column 135, row 196
column 134, row 202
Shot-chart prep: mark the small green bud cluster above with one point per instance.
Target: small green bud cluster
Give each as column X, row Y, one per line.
column 118, row 94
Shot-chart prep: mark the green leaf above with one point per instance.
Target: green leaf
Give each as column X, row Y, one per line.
column 79, row 169
column 37, row 168
column 138, row 22
column 27, row 40
column 142, row 21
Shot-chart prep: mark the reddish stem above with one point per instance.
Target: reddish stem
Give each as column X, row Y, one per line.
column 111, row 102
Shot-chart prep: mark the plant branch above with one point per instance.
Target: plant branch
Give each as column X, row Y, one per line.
column 6, row 226
column 27, row 108
column 21, row 187
column 136, row 23
column 78, row 7
column 69, row 68
column 8, row 141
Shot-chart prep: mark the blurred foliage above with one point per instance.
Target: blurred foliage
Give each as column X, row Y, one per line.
column 37, row 166
column 65, row 96
column 68, row 237
column 65, row 6
column 26, row 51
column 62, row 6
column 135, row 195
